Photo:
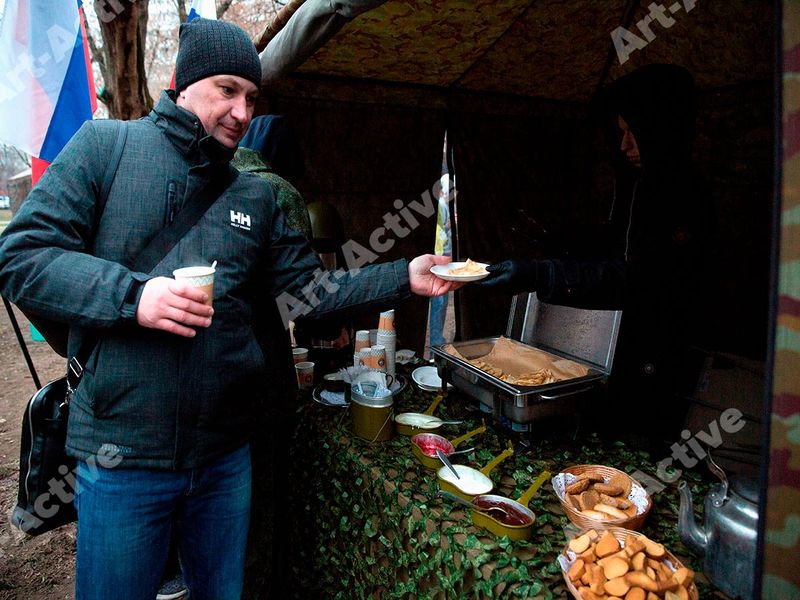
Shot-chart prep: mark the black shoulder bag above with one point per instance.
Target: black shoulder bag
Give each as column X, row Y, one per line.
column 46, row 473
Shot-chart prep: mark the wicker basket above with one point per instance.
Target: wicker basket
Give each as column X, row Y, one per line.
column 584, row 522
column 622, row 535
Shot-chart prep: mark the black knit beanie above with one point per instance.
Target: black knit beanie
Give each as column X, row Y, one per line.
column 208, row 47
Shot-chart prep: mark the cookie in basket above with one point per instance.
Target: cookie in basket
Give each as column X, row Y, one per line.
column 618, row 563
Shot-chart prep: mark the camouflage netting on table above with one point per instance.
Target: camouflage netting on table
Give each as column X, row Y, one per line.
column 367, row 522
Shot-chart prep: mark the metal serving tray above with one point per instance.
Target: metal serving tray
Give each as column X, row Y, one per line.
column 587, row 337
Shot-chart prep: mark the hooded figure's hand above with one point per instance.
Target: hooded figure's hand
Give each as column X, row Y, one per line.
column 513, row 276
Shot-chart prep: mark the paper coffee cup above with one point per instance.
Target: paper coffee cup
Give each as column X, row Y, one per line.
column 362, row 340
column 199, row 277
column 386, row 321
column 378, row 358
column 389, row 341
column 300, row 355
column 305, row 374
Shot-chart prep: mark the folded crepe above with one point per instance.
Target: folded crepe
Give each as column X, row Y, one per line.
column 518, row 364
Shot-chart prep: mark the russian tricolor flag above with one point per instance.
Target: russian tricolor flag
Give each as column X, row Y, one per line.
column 46, row 83
column 205, row 9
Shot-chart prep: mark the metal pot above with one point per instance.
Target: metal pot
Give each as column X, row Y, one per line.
column 474, row 482
column 425, row 441
column 372, row 417
column 409, row 428
column 519, row 508
column 728, row 539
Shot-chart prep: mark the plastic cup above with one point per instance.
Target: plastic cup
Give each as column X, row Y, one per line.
column 300, row 355
column 199, row 277
column 305, row 374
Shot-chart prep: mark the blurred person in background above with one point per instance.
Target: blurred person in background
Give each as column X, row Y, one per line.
column 443, row 247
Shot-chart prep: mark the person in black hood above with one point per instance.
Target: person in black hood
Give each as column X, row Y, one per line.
column 649, row 259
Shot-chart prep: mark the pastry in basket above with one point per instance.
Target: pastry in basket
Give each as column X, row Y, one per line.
column 623, row 564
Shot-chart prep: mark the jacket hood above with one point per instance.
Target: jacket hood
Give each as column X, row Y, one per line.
column 273, row 138
column 658, row 104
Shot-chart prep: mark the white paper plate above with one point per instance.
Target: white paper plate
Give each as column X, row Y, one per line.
column 427, row 378
column 443, row 272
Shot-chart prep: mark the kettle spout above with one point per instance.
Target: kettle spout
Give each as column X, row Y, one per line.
column 691, row 535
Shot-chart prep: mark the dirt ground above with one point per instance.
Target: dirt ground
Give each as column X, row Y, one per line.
column 31, row 568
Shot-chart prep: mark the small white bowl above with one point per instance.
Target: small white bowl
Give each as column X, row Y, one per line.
column 427, row 378
column 404, row 356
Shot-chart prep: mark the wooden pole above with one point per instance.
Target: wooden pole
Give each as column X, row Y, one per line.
column 277, row 23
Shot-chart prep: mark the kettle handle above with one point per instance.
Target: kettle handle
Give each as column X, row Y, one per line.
column 718, row 497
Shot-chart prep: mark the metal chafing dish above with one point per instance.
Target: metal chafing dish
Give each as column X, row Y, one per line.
column 587, row 337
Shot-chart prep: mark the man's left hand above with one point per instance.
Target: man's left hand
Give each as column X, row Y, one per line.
column 425, row 283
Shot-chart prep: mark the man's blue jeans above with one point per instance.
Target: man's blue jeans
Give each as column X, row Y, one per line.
column 125, row 518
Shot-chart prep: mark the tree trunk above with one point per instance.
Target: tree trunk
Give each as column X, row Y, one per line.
column 124, row 27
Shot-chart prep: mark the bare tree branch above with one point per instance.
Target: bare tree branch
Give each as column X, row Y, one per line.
column 99, row 56
column 223, row 7
column 23, row 156
column 182, row 14
column 154, row 46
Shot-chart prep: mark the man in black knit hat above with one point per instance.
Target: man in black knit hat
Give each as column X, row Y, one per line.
column 160, row 422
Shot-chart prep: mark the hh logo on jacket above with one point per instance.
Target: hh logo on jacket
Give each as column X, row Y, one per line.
column 240, row 220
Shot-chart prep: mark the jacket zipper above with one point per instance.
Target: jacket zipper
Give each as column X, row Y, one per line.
column 30, row 454
column 171, row 194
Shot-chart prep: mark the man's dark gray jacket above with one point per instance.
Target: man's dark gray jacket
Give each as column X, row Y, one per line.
column 161, row 400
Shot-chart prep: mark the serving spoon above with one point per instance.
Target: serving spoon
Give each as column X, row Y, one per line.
column 496, row 512
column 443, row 457
column 464, row 451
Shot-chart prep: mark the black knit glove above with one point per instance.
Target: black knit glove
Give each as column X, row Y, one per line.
column 513, row 276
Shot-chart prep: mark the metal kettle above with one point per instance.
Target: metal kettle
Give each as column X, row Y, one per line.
column 727, row 541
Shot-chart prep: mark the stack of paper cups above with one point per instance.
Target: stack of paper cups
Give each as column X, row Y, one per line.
column 387, row 337
column 362, row 341
column 378, row 361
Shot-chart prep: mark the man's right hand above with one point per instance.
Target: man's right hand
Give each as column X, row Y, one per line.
column 173, row 307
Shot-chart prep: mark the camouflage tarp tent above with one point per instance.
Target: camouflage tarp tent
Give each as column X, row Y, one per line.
column 371, row 88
